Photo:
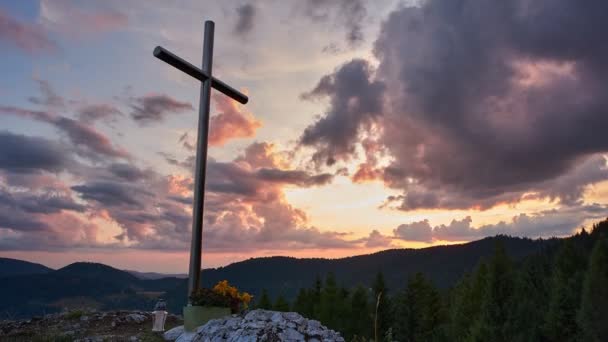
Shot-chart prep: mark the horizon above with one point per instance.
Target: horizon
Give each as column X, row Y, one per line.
column 185, row 272
column 387, row 124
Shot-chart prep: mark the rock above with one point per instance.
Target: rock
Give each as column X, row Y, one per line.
column 136, row 317
column 257, row 325
column 173, row 334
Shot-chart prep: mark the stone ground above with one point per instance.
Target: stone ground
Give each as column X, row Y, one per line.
column 86, row 327
column 257, row 325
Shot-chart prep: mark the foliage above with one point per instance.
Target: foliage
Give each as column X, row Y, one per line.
column 223, row 295
column 593, row 314
column 549, row 296
column 264, row 301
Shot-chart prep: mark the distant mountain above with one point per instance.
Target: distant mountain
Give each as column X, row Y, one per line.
column 444, row 265
column 81, row 284
column 154, row 275
column 106, row 288
column 13, row 267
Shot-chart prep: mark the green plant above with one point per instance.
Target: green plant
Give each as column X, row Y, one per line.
column 208, row 297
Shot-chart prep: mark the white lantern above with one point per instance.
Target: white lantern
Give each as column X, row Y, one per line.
column 160, row 315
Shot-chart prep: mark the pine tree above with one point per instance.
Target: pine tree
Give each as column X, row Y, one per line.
column 328, row 313
column 530, row 300
column 564, row 301
column 281, row 304
column 419, row 313
column 382, row 302
column 593, row 313
column 304, row 304
column 497, row 299
column 264, row 302
column 316, row 298
column 360, row 322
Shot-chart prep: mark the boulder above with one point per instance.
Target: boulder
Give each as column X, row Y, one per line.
column 257, row 325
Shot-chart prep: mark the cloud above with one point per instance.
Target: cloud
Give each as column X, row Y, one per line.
column 377, row 239
column 49, row 97
column 28, row 37
column 355, row 104
column 231, row 123
column 112, row 193
column 88, row 18
column 94, row 112
column 187, row 142
column 350, row 14
column 478, row 109
column 26, row 154
column 300, row 178
column 154, row 108
column 245, row 19
column 46, row 203
column 88, row 141
column 550, row 223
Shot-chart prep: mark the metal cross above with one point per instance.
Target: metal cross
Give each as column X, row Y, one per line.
column 207, row 82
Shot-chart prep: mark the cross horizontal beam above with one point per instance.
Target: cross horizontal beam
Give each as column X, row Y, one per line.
column 170, row 58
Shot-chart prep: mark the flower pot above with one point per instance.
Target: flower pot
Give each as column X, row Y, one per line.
column 195, row 316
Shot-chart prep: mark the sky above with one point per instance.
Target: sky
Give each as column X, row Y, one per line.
column 371, row 125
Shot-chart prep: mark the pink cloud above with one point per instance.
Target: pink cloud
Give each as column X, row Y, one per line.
column 28, row 37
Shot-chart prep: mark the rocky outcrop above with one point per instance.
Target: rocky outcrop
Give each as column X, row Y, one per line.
column 257, row 325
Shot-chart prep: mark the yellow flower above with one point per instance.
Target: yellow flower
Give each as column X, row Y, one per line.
column 245, row 297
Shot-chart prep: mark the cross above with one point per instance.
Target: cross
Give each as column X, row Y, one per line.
column 207, row 82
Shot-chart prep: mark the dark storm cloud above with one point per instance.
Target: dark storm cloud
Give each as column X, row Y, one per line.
column 126, row 171
column 154, row 108
column 348, row 13
column 47, row 203
column 29, row 37
column 112, row 193
column 25, row 154
column 485, row 101
column 245, row 19
column 296, row 177
column 355, row 103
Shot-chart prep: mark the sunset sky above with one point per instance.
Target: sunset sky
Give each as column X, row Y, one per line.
column 371, row 125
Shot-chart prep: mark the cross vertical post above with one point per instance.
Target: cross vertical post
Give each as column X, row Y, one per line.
column 207, row 82
column 194, row 273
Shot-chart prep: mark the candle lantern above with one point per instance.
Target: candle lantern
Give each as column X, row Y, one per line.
column 160, row 315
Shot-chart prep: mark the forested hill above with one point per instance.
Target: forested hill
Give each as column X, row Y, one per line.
column 13, row 267
column 444, row 265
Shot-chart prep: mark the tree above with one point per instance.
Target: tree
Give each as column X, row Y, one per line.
column 304, row 304
column 381, row 305
column 497, row 299
column 328, row 313
column 530, row 299
column 564, row 300
column 264, row 302
column 281, row 304
column 419, row 311
column 593, row 313
column 360, row 322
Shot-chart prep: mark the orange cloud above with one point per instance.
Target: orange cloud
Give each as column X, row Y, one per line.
column 231, row 123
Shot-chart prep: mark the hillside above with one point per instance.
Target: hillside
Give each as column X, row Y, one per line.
column 444, row 265
column 91, row 285
column 79, row 285
column 13, row 267
column 155, row 275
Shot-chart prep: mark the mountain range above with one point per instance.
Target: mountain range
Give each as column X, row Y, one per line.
column 31, row 289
